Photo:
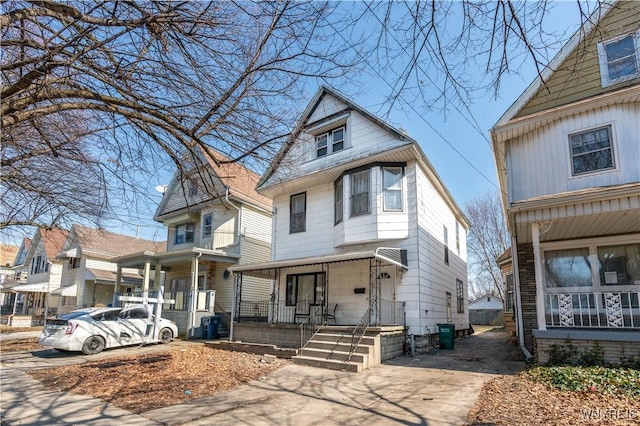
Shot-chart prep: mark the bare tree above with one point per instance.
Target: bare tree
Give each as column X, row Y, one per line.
column 488, row 239
column 151, row 80
column 155, row 82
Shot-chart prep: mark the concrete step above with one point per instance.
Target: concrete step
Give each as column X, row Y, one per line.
column 331, row 355
column 341, row 338
column 329, row 364
column 337, row 347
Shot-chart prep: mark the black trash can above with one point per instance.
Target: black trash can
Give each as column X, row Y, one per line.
column 212, row 331
column 206, row 326
column 446, row 335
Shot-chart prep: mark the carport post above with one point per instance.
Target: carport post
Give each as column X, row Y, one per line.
column 116, row 287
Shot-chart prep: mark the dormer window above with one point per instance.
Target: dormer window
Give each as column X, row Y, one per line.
column 330, row 142
column 619, row 59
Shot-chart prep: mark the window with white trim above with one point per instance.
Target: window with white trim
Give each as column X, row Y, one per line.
column 206, row 225
column 591, row 151
column 446, row 244
column 338, row 199
column 39, row 264
column 460, row 295
column 184, row 233
column 298, row 213
column 510, row 300
column 619, row 59
column 392, row 188
column 360, row 193
column 330, row 142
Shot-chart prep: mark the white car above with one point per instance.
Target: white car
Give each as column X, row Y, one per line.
column 91, row 330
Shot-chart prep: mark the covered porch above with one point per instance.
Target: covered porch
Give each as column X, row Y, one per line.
column 579, row 271
column 191, row 279
column 354, row 289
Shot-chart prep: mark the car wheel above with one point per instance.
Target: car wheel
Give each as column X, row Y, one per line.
column 93, row 345
column 165, row 335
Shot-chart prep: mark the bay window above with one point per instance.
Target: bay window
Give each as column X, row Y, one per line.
column 360, row 193
column 392, row 188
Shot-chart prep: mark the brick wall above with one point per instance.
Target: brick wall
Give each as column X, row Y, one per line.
column 527, row 277
column 613, row 350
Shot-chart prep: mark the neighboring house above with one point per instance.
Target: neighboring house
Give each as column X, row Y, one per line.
column 8, row 254
column 506, row 268
column 11, row 277
column 568, row 159
column 44, row 273
column 486, row 310
column 214, row 219
column 89, row 275
column 365, row 233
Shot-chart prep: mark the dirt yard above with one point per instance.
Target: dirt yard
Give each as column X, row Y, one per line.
column 178, row 375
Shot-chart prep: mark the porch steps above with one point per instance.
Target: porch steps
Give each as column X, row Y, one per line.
column 330, row 350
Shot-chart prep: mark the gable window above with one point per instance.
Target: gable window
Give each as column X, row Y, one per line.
column 338, row 201
column 39, row 264
column 333, row 139
column 321, row 145
column 206, row 225
column 619, row 59
column 298, row 213
column 184, row 233
column 446, row 245
column 591, row 151
column 392, row 184
column 460, row 295
column 360, row 193
column 192, row 187
column 74, row 263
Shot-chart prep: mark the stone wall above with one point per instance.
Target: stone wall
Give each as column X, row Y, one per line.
column 281, row 335
column 391, row 345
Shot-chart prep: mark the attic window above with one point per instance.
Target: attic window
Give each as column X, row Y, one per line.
column 619, row 59
column 330, row 142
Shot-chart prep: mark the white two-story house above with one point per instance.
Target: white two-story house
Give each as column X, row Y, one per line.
column 568, row 159
column 365, row 232
column 215, row 219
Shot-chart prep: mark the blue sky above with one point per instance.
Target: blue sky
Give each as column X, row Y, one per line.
column 459, row 150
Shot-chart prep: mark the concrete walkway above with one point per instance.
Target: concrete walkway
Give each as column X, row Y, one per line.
column 432, row 389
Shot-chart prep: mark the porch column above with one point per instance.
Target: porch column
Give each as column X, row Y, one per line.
column 116, row 287
column 145, row 282
column 194, row 295
column 539, row 270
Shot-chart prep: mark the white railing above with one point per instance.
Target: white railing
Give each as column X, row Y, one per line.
column 616, row 309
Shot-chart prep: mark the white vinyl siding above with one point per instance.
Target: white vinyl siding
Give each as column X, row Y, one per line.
column 539, row 162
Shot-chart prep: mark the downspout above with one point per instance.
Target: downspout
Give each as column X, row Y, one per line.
column 516, row 283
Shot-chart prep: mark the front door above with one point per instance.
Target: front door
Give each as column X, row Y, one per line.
column 388, row 311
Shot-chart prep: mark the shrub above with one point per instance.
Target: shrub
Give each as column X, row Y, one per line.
column 615, row 381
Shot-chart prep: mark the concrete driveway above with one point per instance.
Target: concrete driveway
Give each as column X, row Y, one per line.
column 434, row 389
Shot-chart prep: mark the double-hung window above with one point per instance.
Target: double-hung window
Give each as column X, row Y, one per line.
column 392, row 183
column 298, row 213
column 338, row 201
column 591, row 151
column 460, row 296
column 206, row 225
column 619, row 59
column 184, row 233
column 360, row 193
column 446, row 244
column 330, row 142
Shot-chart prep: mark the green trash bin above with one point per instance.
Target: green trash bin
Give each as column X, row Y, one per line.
column 447, row 334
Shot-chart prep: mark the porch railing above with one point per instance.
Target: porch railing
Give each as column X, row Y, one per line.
column 593, row 309
column 358, row 332
column 253, row 310
column 392, row 312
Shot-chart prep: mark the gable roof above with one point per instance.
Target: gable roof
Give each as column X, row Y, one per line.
column 105, row 244
column 8, row 254
column 539, row 82
column 222, row 174
column 308, row 112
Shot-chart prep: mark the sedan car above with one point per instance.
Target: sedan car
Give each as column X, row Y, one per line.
column 91, row 330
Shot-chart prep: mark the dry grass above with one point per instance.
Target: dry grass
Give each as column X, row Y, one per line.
column 142, row 383
column 20, row 345
column 517, row 400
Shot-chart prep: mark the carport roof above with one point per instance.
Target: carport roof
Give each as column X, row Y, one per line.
column 268, row 270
